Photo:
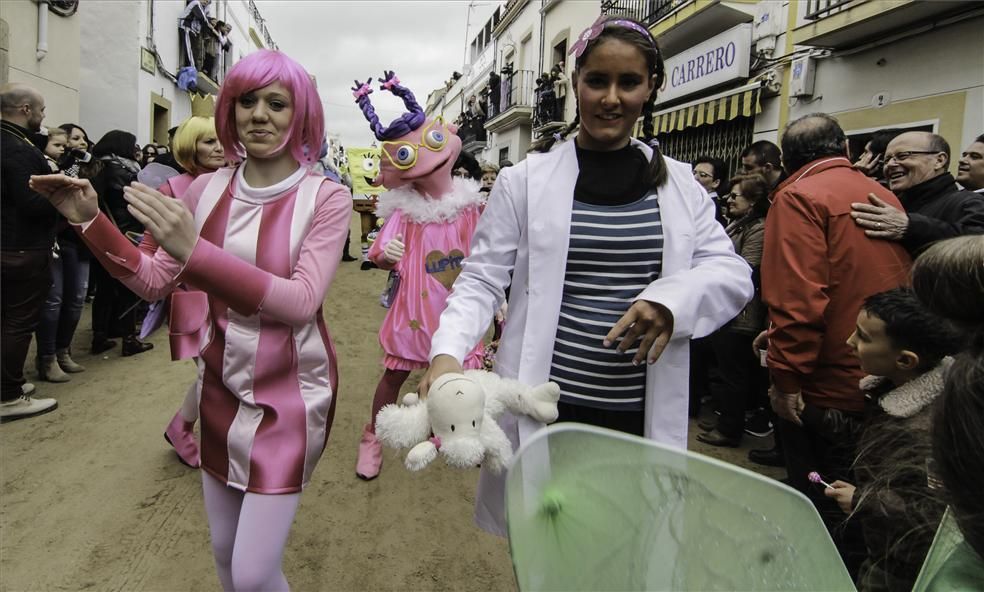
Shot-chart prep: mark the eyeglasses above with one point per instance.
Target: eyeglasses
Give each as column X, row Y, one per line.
column 403, row 155
column 703, row 175
column 901, row 156
column 731, row 196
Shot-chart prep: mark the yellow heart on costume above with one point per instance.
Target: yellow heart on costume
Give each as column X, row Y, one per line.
column 444, row 267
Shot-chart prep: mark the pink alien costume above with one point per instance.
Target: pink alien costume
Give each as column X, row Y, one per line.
column 434, row 218
column 257, row 278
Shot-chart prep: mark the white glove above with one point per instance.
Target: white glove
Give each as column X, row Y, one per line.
column 393, row 251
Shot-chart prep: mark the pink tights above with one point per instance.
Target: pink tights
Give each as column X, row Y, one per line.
column 249, row 534
column 387, row 391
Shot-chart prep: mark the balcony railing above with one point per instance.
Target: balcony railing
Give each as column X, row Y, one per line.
column 647, row 12
column 517, row 90
column 817, row 9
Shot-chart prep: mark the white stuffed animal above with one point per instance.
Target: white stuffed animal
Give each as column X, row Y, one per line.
column 458, row 419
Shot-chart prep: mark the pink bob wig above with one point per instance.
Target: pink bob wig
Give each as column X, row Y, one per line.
column 253, row 72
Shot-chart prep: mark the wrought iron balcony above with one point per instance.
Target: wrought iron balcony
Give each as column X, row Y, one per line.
column 516, row 101
column 816, row 9
column 647, row 12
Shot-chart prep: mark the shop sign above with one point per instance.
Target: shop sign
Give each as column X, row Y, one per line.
column 718, row 60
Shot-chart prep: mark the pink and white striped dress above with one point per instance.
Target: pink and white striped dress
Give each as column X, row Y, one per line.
column 258, row 276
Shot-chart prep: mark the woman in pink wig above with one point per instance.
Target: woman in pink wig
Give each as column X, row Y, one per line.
column 430, row 219
column 258, row 245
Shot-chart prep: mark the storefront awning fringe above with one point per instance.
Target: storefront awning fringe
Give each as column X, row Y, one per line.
column 742, row 102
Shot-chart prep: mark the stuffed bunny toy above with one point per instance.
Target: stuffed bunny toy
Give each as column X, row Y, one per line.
column 458, row 419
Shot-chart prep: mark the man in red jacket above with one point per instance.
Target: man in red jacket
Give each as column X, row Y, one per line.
column 817, row 268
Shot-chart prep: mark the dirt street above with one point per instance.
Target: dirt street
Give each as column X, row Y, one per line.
column 94, row 499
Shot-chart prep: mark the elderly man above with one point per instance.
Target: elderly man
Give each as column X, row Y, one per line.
column 934, row 207
column 817, row 268
column 26, row 238
column 970, row 169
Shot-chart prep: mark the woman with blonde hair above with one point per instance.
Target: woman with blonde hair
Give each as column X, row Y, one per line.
column 198, row 150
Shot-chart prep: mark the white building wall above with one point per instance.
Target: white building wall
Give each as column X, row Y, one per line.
column 56, row 75
column 110, row 61
column 116, row 92
column 565, row 20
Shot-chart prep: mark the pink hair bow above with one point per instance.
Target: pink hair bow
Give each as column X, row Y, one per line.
column 391, row 82
column 362, row 90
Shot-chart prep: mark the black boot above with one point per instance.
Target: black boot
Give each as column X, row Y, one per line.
column 133, row 346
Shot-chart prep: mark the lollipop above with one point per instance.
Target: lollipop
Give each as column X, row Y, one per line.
column 814, row 477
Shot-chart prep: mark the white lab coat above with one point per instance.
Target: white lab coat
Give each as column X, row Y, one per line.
column 526, row 229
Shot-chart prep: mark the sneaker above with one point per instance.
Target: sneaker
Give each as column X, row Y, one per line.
column 716, row 438
column 24, row 406
column 757, row 424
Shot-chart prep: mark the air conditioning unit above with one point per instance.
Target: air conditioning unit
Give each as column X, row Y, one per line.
column 802, row 76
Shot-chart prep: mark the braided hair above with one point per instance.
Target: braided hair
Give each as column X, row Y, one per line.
column 400, row 126
column 656, row 175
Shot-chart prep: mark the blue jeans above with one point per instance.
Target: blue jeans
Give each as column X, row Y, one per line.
column 63, row 308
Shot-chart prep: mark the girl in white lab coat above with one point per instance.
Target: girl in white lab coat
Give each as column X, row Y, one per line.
column 614, row 256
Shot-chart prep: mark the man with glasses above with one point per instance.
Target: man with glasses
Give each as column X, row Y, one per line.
column 935, row 208
column 26, row 239
column 712, row 173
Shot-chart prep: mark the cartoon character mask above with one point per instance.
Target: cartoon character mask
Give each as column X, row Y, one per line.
column 414, row 149
column 363, row 166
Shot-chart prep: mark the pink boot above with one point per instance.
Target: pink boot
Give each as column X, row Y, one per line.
column 370, row 455
column 181, row 435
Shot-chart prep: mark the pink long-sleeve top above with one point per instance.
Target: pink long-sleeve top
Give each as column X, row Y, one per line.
column 258, row 274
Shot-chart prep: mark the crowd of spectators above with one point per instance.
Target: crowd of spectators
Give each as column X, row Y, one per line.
column 843, row 358
column 48, row 274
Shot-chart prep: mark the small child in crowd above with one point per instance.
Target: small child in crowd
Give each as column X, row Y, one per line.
column 904, row 348
column 55, row 148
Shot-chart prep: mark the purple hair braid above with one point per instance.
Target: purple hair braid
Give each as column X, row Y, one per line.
column 361, row 92
column 407, row 122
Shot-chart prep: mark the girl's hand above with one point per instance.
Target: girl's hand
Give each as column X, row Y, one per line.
column 650, row 321
column 843, row 494
column 73, row 198
column 440, row 365
column 168, row 220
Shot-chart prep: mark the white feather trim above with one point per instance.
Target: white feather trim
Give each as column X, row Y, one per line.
column 422, row 210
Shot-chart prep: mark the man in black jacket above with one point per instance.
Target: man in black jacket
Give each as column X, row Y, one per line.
column 935, row 208
column 26, row 238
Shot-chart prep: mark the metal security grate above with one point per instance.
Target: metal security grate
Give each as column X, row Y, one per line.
column 724, row 140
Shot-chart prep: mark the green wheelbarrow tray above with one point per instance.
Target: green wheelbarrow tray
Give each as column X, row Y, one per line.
column 594, row 509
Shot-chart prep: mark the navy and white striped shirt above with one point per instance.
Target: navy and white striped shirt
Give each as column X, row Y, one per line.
column 615, row 253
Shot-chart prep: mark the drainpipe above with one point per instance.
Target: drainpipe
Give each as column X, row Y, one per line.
column 42, row 29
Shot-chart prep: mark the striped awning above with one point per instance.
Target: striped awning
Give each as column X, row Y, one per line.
column 742, row 102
